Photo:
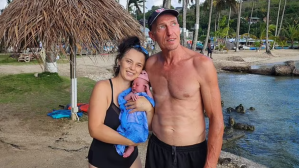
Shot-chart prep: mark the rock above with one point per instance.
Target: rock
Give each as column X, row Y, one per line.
column 282, row 70
column 235, row 58
column 36, row 75
column 236, row 68
column 222, row 103
column 245, row 127
column 262, row 71
column 251, row 108
column 231, row 121
column 240, row 109
column 232, row 135
column 223, row 161
column 296, row 72
column 229, row 110
column 291, row 64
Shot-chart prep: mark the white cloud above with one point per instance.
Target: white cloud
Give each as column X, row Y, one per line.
column 3, row 3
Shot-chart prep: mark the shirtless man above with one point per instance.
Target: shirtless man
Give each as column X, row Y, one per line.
column 184, row 85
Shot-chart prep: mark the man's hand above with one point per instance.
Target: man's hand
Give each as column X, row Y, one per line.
column 141, row 104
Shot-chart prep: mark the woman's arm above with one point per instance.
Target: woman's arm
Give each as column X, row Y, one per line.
column 98, row 105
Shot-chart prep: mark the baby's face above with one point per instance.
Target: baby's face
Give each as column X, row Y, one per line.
column 139, row 85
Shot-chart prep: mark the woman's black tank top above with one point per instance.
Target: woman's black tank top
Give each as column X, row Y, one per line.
column 103, row 154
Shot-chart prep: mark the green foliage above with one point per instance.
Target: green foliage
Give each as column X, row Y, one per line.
column 257, row 43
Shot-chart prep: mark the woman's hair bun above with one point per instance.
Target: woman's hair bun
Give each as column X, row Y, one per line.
column 128, row 43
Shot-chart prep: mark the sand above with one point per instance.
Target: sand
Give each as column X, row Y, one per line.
column 44, row 142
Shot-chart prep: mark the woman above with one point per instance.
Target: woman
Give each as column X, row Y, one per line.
column 104, row 109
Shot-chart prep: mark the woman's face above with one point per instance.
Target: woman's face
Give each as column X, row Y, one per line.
column 131, row 64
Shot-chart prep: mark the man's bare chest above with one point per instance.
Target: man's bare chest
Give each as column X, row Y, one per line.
column 177, row 83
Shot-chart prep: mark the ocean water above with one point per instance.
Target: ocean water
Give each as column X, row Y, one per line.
column 275, row 141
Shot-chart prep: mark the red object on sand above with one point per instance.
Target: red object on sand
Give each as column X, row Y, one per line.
column 82, row 107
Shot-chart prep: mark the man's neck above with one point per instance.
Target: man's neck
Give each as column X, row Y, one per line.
column 173, row 56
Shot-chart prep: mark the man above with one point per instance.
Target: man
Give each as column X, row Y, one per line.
column 210, row 50
column 184, row 84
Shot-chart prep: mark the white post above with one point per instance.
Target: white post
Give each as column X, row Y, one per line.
column 74, row 106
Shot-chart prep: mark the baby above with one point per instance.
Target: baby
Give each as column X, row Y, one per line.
column 134, row 126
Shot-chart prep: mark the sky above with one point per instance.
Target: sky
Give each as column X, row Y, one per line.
column 148, row 3
column 3, row 3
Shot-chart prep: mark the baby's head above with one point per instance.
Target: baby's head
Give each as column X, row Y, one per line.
column 139, row 83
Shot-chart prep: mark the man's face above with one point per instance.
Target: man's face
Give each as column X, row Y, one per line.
column 166, row 31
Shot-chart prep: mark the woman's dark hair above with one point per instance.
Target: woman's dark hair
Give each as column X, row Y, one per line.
column 125, row 45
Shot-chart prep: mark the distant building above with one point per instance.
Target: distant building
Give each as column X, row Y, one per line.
column 178, row 9
column 253, row 20
column 189, row 34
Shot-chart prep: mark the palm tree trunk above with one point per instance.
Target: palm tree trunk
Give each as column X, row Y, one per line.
column 277, row 20
column 218, row 20
column 249, row 23
column 215, row 27
column 184, row 22
column 230, row 12
column 144, row 19
column 167, row 4
column 127, row 6
column 209, row 26
column 238, row 26
column 196, row 27
column 267, row 29
column 284, row 7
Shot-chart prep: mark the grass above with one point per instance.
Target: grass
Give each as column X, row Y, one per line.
column 36, row 96
column 5, row 59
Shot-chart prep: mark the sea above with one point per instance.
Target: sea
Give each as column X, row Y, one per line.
column 275, row 140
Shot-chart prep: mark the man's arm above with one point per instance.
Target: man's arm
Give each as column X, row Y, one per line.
column 211, row 98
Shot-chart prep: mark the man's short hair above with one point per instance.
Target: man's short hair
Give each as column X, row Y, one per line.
column 153, row 17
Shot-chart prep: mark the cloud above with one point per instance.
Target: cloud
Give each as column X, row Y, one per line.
column 3, row 3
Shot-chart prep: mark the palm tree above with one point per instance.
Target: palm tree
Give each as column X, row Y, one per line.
column 291, row 33
column 238, row 25
column 167, row 4
column 221, row 4
column 134, row 3
column 196, row 26
column 277, row 20
column 185, row 5
column 86, row 22
column 267, row 29
column 209, row 26
column 284, row 7
column 250, row 22
column 232, row 5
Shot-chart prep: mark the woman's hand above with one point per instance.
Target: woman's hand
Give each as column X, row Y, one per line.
column 141, row 104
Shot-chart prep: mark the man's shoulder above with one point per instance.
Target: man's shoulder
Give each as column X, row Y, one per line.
column 152, row 59
column 201, row 61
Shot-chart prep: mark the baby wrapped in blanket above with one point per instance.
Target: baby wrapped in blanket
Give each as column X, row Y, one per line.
column 134, row 126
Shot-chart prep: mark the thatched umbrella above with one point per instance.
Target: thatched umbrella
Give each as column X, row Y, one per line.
column 24, row 23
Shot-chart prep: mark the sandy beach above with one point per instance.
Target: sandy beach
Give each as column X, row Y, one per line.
column 54, row 145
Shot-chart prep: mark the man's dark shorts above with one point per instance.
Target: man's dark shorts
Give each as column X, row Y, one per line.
column 162, row 155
